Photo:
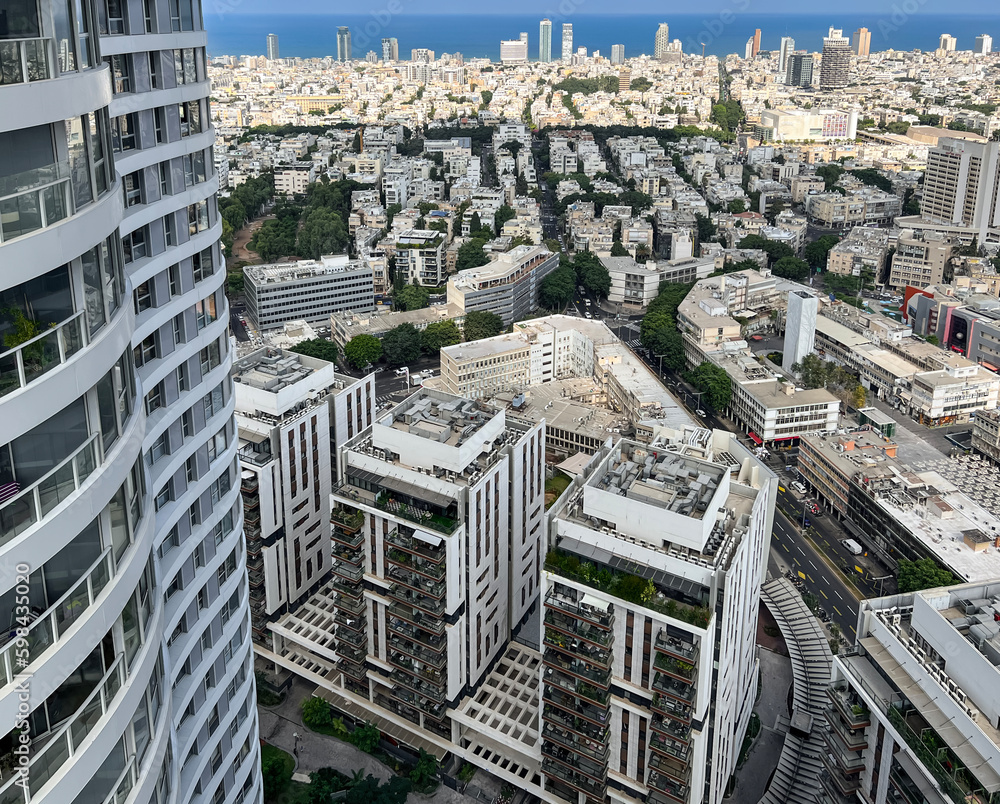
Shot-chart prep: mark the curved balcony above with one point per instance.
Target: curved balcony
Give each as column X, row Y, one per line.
column 39, row 101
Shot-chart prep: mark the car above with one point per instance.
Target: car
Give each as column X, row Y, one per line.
column 589, row 315
column 799, row 487
column 700, row 412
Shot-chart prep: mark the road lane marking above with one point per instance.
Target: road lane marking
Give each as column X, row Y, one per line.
column 802, row 575
column 837, row 594
column 785, row 547
column 813, row 565
column 838, row 611
column 823, row 593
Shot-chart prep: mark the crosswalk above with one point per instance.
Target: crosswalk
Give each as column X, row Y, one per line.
column 634, row 344
column 382, row 401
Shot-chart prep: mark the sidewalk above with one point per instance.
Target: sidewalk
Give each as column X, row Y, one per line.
column 279, row 723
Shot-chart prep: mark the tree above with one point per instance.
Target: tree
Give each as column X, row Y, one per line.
column 775, row 251
column 316, row 713
column 736, row 206
column 362, row 350
column 791, row 268
column 411, row 297
column 369, row 791
column 830, row 174
column 438, row 335
column 471, row 255
column 618, row 250
column 323, row 783
column 592, row 274
column 556, row 290
column 924, row 573
column 401, row 345
column 502, row 215
column 706, row 229
column 317, row 347
column 322, row 232
column 714, row 382
column 390, row 213
column 658, row 331
column 480, row 324
column 640, row 84
column 818, row 252
column 487, row 96
column 425, row 772
column 366, row 737
column 813, row 371
column 275, row 772
column 475, row 223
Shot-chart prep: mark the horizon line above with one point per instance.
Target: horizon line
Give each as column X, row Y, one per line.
column 578, row 13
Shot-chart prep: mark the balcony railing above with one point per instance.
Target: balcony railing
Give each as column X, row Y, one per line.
column 354, row 638
column 670, row 708
column 349, row 599
column 853, row 738
column 425, row 519
column 850, row 705
column 674, row 688
column 568, row 702
column 32, row 359
column 46, row 630
column 577, row 628
column 428, row 623
column 410, row 580
column 419, row 636
column 34, row 503
column 408, row 597
column 675, row 791
column 422, row 703
column 671, row 728
column 349, row 620
column 577, row 687
column 580, row 669
column 677, row 648
column 425, row 688
column 348, row 571
column 573, row 759
column 34, row 200
column 584, row 728
column 421, row 566
column 435, row 659
column 677, row 770
column 417, row 547
column 573, row 778
column 669, row 748
column 597, row 751
column 602, row 618
column 350, row 521
column 675, row 668
column 24, row 60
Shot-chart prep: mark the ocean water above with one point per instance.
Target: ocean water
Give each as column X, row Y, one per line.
column 232, row 32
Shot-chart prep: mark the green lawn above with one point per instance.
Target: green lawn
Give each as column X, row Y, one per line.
column 291, row 792
column 555, row 487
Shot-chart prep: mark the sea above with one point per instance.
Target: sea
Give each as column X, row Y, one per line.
column 901, row 27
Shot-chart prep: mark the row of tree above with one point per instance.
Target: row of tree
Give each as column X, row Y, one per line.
column 585, row 269
column 658, row 331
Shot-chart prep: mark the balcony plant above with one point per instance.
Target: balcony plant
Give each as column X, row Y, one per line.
column 23, row 329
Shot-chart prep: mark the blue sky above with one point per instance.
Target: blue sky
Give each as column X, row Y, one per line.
column 881, row 7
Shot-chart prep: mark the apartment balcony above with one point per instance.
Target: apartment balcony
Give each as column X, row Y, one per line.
column 417, row 583
column 409, row 698
column 844, row 783
column 852, row 739
column 418, row 636
column 348, row 572
column 571, row 626
column 584, row 729
column 256, row 577
column 596, row 751
column 671, row 729
column 251, row 502
column 407, row 597
column 676, row 648
column 435, row 520
column 572, row 760
column 574, row 779
column 849, row 761
column 356, row 639
column 433, row 658
column 850, row 705
column 417, row 617
column 672, row 709
column 665, row 790
column 578, row 669
column 675, row 668
column 571, row 704
column 349, row 596
column 418, row 671
column 577, row 649
column 352, row 670
column 357, row 687
column 442, row 728
column 577, row 687
column 829, row 794
column 249, row 483
column 423, row 688
column 673, row 688
column 400, row 708
column 255, row 564
column 668, row 748
column 594, row 615
column 435, row 555
column 348, row 521
column 676, row 770
column 350, row 621
column 409, row 563
column 352, row 653
column 353, row 556
column 352, row 541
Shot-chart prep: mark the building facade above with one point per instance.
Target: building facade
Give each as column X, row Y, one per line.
column 961, row 186
column 272, row 46
column 343, row 43
column 921, row 259
column 545, row 41
column 115, row 471
column 861, row 42
column 508, row 286
column 835, row 67
column 420, row 257
column 567, row 41
column 661, row 43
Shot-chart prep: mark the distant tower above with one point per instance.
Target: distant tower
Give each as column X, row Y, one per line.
column 787, row 49
column 390, row 49
column 948, row 43
column 545, row 40
column 835, row 70
column 343, row 43
column 272, row 46
column 748, row 49
column 984, row 45
column 567, row 41
column 756, row 42
column 618, row 54
column 662, row 41
column 861, row 42
column 799, row 70
column 800, row 328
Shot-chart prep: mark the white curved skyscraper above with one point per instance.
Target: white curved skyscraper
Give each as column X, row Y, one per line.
column 122, row 572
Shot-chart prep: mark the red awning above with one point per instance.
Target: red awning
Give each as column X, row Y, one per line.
column 756, row 438
column 787, row 438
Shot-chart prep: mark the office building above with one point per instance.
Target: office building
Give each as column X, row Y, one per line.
column 545, row 40
column 290, row 409
column 961, row 186
column 508, row 286
column 947, row 43
column 272, row 46
column 390, row 49
column 807, row 125
column 567, row 41
column 307, row 290
column 835, row 69
column 861, row 42
column 784, row 52
column 618, row 56
column 921, row 259
column 861, row 253
column 686, row 521
column 756, row 43
column 132, row 677
column 914, row 709
column 662, row 41
column 799, row 70
column 343, row 43
column 984, row 45
column 800, row 328
column 513, row 51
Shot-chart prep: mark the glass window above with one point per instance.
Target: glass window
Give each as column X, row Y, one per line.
column 98, row 128
column 113, row 17
column 125, row 132
column 160, row 125
column 121, row 73
column 64, row 35
column 35, row 453
column 27, row 158
column 32, row 307
column 154, row 68
column 93, row 289
column 190, row 66
column 20, row 20
column 134, row 245
column 132, row 185
column 79, row 165
column 82, row 15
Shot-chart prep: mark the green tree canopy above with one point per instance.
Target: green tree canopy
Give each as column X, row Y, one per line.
column 363, row 350
column 322, row 232
column 736, row 206
column 640, row 84
column 502, row 215
column 401, row 345
column 411, row 297
column 714, row 382
column 817, row 252
column 618, row 250
column 658, row 330
column 706, row 229
column 924, row 573
column 370, row 791
column 775, row 251
column 791, row 268
column 319, row 348
column 556, row 289
column 438, row 335
column 481, row 324
column 592, row 274
column 471, row 255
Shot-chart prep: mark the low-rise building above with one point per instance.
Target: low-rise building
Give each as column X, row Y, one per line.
column 921, row 259
column 294, row 179
column 986, row 434
column 863, row 207
column 506, row 286
column 863, row 250
column 420, row 257
column 347, row 325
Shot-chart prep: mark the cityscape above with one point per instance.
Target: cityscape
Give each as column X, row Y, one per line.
column 603, row 410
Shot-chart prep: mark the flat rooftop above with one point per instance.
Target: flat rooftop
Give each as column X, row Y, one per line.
column 439, row 417
column 328, row 265
column 270, row 370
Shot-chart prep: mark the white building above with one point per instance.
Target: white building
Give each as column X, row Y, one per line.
column 420, row 257
column 507, row 286
column 984, row 45
column 567, row 41
column 294, row 179
column 513, row 51
column 308, row 290
column 800, row 328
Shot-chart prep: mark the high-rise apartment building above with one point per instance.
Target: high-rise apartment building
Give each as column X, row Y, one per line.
column 119, row 498
column 835, row 69
column 545, row 40
column 914, row 707
column 961, row 186
column 947, row 43
column 513, row 51
column 800, row 330
column 984, row 45
column 343, row 43
column 799, row 70
column 567, row 41
column 787, row 49
column 756, row 43
column 421, row 55
column 272, row 46
column 662, row 41
column 861, row 42
column 618, row 54
column 390, row 49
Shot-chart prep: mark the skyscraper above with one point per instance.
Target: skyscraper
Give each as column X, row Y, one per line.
column 947, row 43
column 545, row 40
column 618, row 54
column 272, row 46
column 390, row 49
column 861, row 42
column 961, row 186
column 662, row 41
column 756, row 42
column 835, row 68
column 984, row 45
column 513, row 51
column 799, row 70
column 567, row 41
column 786, row 50
column 343, row 43
column 748, row 49
column 119, row 480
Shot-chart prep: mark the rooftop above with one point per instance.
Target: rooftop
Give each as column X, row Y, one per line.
column 507, row 267
column 439, row 417
column 270, row 370
column 326, row 265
